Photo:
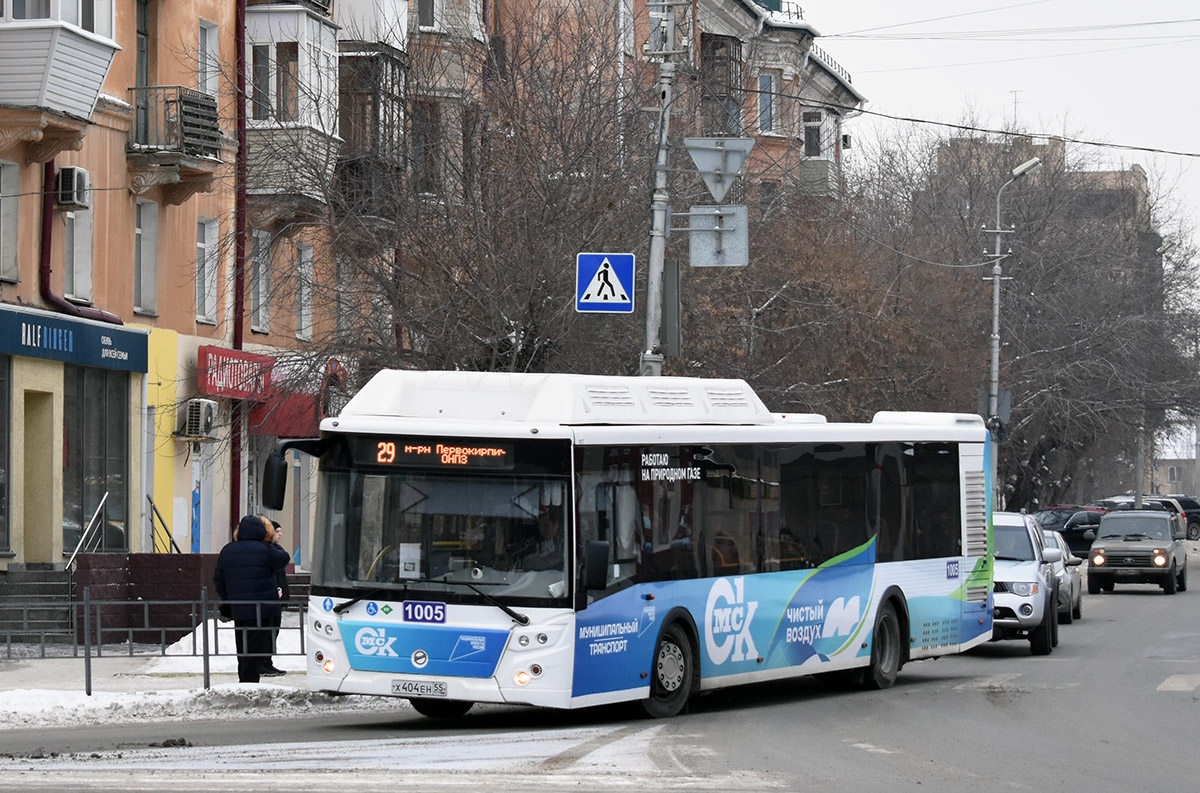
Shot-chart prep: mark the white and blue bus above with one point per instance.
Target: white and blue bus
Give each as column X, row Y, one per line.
column 573, row 540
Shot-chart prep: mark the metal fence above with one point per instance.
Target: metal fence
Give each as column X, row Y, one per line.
column 92, row 629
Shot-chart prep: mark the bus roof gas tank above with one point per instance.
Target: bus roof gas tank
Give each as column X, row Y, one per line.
column 567, row 399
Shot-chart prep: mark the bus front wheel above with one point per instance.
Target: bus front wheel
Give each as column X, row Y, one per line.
column 440, row 708
column 672, row 677
column 885, row 650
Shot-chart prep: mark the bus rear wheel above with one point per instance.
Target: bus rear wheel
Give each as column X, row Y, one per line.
column 885, row 650
column 672, row 677
column 441, row 708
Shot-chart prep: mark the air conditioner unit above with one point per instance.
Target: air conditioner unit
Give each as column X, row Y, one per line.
column 72, row 188
column 199, row 420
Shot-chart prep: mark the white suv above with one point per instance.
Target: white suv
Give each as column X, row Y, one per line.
column 1026, row 597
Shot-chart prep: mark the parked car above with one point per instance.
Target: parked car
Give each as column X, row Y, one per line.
column 1026, row 591
column 1138, row 546
column 1070, row 579
column 1077, row 527
column 1055, row 517
column 1191, row 511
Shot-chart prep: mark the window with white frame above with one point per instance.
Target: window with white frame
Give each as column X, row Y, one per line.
column 818, row 140
column 428, row 12
column 768, row 89
column 30, row 9
column 260, row 281
column 1174, row 473
column 145, row 258
column 10, row 175
column 304, row 292
column 206, row 271
column 208, row 58
column 94, row 16
column 293, row 67
column 77, row 255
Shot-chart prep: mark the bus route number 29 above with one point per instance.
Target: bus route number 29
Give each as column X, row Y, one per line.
column 422, row 611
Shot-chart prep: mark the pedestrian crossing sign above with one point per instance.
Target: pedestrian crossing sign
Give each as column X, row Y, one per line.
column 604, row 282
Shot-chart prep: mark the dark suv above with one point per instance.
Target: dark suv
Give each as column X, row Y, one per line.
column 1138, row 547
column 1191, row 508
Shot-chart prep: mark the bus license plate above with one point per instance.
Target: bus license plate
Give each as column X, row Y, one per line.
column 419, row 688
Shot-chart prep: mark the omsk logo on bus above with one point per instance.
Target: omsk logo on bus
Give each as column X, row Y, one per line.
column 375, row 641
column 727, row 620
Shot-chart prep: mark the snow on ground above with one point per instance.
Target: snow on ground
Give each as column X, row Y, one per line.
column 50, row 692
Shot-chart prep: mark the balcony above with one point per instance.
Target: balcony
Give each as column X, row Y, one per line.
column 53, row 73
column 175, row 141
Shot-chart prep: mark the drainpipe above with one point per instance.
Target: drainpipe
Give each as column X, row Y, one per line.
column 239, row 259
column 58, row 301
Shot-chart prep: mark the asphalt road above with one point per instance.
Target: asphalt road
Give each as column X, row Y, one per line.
column 1116, row 707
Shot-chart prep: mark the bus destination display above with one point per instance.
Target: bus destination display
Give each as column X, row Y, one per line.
column 432, row 453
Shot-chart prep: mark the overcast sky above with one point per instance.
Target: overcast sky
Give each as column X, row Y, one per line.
column 1112, row 71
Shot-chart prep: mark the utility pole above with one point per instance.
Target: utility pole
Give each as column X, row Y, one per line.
column 994, row 421
column 650, row 364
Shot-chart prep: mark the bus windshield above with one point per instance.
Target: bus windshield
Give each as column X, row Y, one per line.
column 409, row 529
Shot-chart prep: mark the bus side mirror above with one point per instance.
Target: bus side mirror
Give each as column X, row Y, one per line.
column 274, row 482
column 595, row 565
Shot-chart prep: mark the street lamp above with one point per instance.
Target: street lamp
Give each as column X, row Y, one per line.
column 993, row 417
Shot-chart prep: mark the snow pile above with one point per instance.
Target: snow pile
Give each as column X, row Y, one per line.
column 152, row 689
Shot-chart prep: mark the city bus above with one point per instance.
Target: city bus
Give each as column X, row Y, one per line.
column 572, row 540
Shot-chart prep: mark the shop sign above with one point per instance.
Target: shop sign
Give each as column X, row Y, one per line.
column 234, row 374
column 42, row 334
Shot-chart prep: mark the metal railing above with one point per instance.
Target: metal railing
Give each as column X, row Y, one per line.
column 136, row 629
column 172, row 118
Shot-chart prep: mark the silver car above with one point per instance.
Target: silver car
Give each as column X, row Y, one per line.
column 1026, row 591
column 1070, row 579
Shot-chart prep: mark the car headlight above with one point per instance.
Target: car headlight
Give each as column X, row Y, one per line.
column 1023, row 588
column 1097, row 557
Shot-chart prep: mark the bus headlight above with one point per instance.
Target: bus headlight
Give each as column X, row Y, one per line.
column 521, row 678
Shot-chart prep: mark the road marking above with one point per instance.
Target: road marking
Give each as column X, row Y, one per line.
column 1180, row 683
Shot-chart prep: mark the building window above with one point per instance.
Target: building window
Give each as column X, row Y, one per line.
column 145, row 258
column 9, row 188
column 722, row 83
column 260, row 282
column 260, row 68
column 815, row 139
column 427, row 13
column 77, row 255
column 206, row 271
column 5, row 457
column 1174, row 473
column 625, row 23
column 208, row 57
column 95, row 456
column 304, row 292
column 287, row 80
column 94, row 16
column 31, row 9
column 426, row 133
column 768, row 85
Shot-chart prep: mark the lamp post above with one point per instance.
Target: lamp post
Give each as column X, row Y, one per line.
column 993, row 417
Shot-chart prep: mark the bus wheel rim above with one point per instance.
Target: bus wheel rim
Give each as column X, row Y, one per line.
column 670, row 666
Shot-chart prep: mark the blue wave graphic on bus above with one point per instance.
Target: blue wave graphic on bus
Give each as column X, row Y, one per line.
column 423, row 650
column 827, row 610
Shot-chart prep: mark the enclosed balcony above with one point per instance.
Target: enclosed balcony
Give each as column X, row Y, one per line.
column 54, row 55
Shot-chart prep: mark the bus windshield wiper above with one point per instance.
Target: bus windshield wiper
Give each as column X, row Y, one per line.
column 522, row 619
column 370, row 593
column 518, row 617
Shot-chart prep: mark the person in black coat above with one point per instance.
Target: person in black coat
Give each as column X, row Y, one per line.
column 245, row 576
column 268, row 668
